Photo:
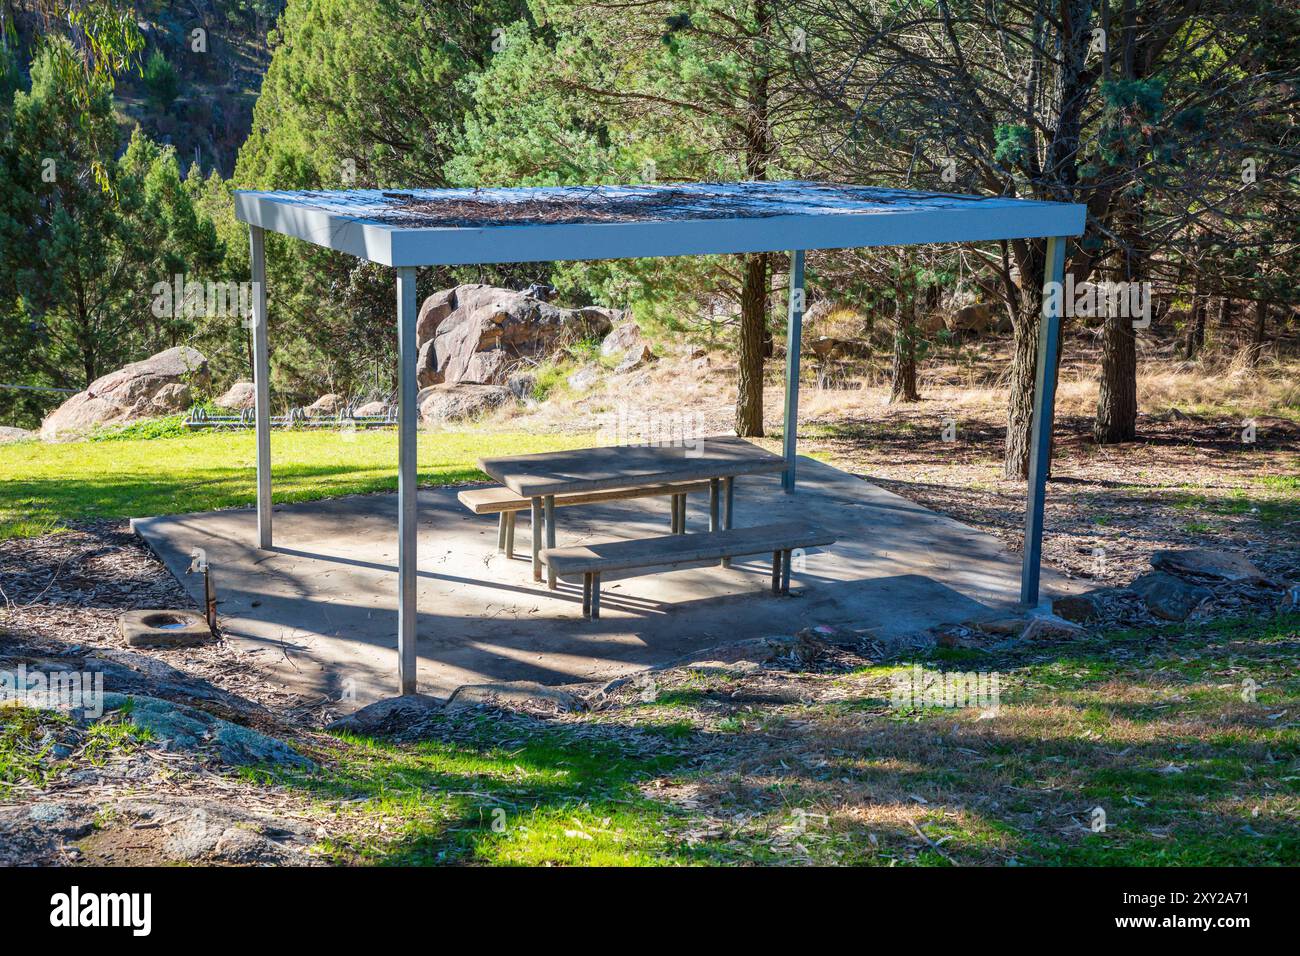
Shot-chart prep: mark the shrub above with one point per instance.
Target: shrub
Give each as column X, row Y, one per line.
column 161, row 80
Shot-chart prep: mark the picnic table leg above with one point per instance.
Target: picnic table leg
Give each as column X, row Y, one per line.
column 681, row 514
column 586, row 595
column 728, row 500
column 510, row 535
column 672, row 514
column 502, row 521
column 785, row 572
column 776, row 572
column 714, row 503
column 595, row 596
column 550, row 537
column 537, row 539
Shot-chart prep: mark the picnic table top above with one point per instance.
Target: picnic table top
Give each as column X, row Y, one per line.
column 622, row 466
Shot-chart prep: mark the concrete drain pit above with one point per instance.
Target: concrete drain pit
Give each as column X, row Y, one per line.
column 164, row 628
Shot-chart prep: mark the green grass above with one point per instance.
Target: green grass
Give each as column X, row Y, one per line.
column 48, row 484
column 1148, row 725
column 28, row 738
column 497, row 792
column 1272, row 502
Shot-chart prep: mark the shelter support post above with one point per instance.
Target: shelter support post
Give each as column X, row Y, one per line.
column 407, row 313
column 793, row 341
column 1040, row 448
column 261, row 385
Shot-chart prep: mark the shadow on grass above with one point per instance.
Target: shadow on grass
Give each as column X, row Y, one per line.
column 655, row 789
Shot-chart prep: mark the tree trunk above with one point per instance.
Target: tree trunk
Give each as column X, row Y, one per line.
column 1116, row 419
column 1020, row 401
column 1257, row 340
column 753, row 325
column 903, row 388
column 1223, row 318
column 1117, row 400
column 1195, row 326
column 1024, row 362
column 755, row 343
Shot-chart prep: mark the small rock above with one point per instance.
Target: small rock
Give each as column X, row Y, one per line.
column 238, row 397
column 326, row 406
column 10, row 433
column 1048, row 627
column 441, row 404
column 625, row 337
column 838, row 636
column 1080, row 608
column 1204, row 563
column 1290, row 599
column 388, row 716
column 525, row 694
column 584, row 378
column 522, row 385
column 954, row 635
column 1169, row 597
column 635, row 359
column 1005, row 626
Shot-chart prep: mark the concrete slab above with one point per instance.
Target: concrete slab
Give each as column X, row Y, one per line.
column 319, row 611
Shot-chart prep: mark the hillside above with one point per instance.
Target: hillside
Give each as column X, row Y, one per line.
column 192, row 90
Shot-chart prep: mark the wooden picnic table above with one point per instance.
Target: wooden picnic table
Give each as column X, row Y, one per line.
column 719, row 460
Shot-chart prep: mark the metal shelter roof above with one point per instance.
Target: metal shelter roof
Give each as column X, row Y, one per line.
column 419, row 227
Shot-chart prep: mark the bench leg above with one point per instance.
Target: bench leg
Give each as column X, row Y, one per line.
column 537, row 539
column 672, row 514
column 595, row 596
column 714, row 503
column 550, row 537
column 510, row 534
column 586, row 595
column 681, row 514
column 776, row 572
column 501, row 530
column 785, row 572
column 728, row 499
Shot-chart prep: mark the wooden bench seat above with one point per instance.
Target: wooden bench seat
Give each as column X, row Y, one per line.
column 671, row 551
column 507, row 504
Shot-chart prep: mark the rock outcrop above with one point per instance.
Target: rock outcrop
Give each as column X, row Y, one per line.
column 238, row 397
column 449, row 402
column 158, row 385
column 479, row 334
